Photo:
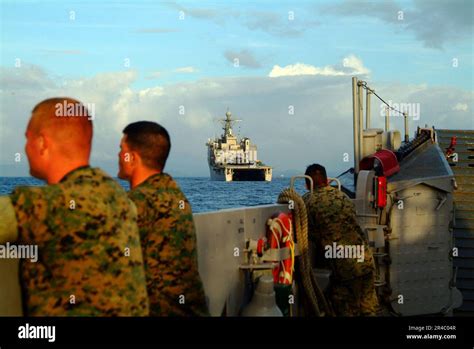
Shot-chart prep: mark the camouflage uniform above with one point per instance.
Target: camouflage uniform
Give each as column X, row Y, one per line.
column 332, row 219
column 168, row 240
column 90, row 262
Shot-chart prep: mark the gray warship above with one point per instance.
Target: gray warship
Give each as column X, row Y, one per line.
column 233, row 160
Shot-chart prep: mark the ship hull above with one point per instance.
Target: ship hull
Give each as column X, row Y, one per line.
column 217, row 174
column 231, row 174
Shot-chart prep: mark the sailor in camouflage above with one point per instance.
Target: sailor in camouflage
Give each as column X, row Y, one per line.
column 165, row 221
column 90, row 258
column 90, row 261
column 332, row 220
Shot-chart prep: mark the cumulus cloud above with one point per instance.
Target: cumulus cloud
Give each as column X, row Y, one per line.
column 302, row 69
column 351, row 65
column 320, row 129
column 354, row 66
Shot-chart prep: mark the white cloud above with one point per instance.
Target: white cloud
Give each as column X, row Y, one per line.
column 186, row 70
column 460, row 107
column 302, row 69
column 351, row 65
column 150, row 93
column 354, row 63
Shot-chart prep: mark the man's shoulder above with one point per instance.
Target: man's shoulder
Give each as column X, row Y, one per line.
column 24, row 194
column 87, row 176
column 163, row 195
column 332, row 193
column 92, row 179
column 162, row 185
column 326, row 200
column 138, row 197
column 35, row 203
column 163, row 181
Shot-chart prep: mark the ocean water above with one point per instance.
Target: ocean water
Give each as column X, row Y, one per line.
column 203, row 194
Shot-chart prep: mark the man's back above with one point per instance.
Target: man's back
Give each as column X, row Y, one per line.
column 332, row 220
column 90, row 261
column 169, row 247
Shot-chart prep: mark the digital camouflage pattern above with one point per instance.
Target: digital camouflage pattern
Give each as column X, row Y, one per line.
column 90, row 260
column 332, row 219
column 168, row 240
column 356, row 297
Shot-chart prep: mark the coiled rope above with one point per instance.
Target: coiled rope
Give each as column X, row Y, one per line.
column 310, row 284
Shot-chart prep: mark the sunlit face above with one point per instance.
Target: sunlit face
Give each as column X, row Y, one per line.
column 126, row 165
column 35, row 153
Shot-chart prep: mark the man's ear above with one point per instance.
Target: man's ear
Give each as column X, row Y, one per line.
column 44, row 143
column 135, row 158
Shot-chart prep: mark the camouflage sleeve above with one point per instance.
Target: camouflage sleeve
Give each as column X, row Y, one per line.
column 8, row 223
column 31, row 210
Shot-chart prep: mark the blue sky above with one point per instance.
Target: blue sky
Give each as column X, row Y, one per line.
column 423, row 54
column 99, row 36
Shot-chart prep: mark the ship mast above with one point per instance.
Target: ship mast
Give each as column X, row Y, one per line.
column 228, row 122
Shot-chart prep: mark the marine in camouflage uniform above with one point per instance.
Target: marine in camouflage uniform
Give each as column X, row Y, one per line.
column 332, row 219
column 168, row 240
column 90, row 261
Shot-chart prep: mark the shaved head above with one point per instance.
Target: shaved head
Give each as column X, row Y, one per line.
column 58, row 138
column 66, row 122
